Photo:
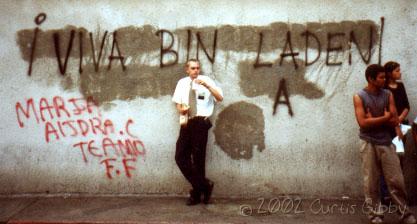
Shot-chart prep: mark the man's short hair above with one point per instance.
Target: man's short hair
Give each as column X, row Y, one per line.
column 372, row 71
column 191, row 60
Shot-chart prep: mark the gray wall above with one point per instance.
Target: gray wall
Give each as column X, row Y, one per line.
column 123, row 142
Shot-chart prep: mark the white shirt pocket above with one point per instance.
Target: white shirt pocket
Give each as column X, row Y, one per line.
column 202, row 95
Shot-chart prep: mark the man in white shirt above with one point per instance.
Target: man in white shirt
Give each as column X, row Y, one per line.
column 194, row 97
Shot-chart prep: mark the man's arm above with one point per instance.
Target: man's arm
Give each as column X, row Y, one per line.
column 177, row 98
column 215, row 93
column 365, row 120
column 393, row 121
column 212, row 90
column 403, row 115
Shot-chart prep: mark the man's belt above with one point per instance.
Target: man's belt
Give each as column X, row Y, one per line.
column 199, row 118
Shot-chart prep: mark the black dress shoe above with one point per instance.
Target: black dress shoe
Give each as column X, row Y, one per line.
column 207, row 193
column 193, row 201
column 194, row 198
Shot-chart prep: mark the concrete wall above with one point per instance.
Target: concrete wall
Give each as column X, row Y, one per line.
column 86, row 122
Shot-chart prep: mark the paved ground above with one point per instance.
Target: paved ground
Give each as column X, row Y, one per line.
column 132, row 209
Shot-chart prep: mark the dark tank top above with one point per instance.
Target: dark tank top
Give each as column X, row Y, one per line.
column 376, row 103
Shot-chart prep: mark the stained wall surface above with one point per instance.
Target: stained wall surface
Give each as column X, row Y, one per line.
column 87, row 85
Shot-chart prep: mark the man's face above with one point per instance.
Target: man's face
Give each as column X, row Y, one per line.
column 379, row 80
column 193, row 69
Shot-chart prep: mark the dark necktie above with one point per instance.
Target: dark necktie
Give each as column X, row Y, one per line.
column 192, row 102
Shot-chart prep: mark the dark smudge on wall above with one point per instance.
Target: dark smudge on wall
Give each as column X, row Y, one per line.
column 265, row 81
column 107, row 81
column 135, row 41
column 239, row 130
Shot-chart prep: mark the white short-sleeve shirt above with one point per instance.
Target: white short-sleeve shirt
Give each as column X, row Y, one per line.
column 205, row 100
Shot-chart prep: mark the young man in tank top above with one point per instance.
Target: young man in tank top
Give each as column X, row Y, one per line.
column 375, row 113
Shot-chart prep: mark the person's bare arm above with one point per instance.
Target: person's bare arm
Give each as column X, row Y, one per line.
column 393, row 121
column 367, row 121
column 403, row 115
column 212, row 90
column 399, row 132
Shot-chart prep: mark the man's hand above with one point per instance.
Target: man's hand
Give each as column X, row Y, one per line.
column 399, row 132
column 387, row 114
column 393, row 120
column 201, row 82
column 182, row 108
column 184, row 111
column 213, row 91
column 368, row 113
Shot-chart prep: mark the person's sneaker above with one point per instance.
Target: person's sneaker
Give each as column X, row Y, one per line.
column 377, row 220
column 409, row 219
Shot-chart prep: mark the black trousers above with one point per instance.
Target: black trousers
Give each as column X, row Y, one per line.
column 190, row 154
